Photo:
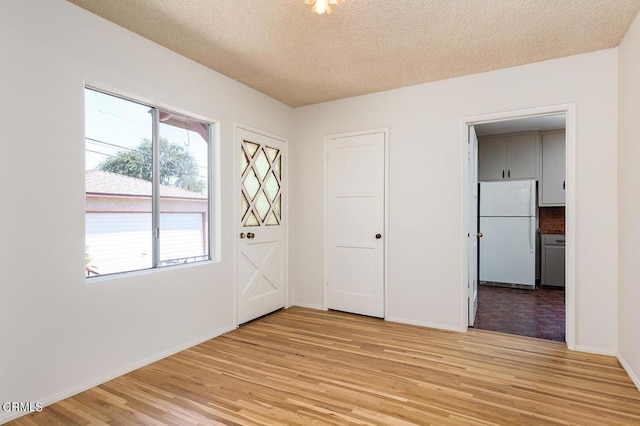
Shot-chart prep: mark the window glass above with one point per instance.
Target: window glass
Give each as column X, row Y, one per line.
column 123, row 230
column 261, row 201
column 184, row 207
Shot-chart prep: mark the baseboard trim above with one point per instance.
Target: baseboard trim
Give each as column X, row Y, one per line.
column 439, row 326
column 52, row 399
column 310, row 306
column 7, row 417
column 627, row 368
column 594, row 350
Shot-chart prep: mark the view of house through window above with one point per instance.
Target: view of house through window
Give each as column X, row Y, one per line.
column 147, row 186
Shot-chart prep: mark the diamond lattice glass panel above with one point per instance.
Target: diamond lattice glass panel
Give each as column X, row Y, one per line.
column 272, row 220
column 271, row 152
column 262, row 205
column 262, row 165
column 251, row 148
column 251, row 184
column 245, row 162
column 244, row 207
column 276, row 167
column 277, row 207
column 271, row 186
column 251, row 220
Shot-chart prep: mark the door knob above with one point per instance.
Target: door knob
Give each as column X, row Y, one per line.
column 242, row 235
column 479, row 234
column 378, row 236
column 251, row 235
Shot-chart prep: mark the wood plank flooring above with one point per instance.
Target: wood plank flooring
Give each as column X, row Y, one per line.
column 305, row 367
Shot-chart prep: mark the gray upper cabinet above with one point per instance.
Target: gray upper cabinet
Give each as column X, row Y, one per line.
column 552, row 185
column 521, row 156
column 512, row 156
column 492, row 157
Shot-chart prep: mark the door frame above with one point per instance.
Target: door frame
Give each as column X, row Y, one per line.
column 385, row 231
column 236, row 211
column 570, row 207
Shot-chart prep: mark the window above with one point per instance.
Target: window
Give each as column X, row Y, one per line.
column 147, row 186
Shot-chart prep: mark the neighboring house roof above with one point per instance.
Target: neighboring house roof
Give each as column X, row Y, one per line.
column 101, row 182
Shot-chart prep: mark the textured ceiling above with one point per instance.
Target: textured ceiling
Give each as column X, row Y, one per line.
column 280, row 48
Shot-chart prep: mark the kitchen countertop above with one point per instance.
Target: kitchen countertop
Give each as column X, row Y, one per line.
column 551, row 231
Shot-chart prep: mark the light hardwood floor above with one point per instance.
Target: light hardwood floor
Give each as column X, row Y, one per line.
column 302, row 366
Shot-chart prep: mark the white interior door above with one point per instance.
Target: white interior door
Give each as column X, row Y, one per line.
column 472, row 233
column 355, row 223
column 261, row 232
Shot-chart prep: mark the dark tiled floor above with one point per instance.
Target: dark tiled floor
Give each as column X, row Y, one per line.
column 538, row 313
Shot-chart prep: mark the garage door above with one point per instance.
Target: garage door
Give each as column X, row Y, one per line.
column 182, row 237
column 118, row 242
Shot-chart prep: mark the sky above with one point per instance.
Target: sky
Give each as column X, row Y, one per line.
column 113, row 124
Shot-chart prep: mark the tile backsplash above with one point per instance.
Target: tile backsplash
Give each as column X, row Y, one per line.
column 551, row 220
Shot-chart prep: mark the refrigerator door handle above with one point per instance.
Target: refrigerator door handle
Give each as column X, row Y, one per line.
column 532, row 236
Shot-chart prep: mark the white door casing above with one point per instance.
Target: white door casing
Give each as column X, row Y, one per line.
column 355, row 223
column 570, row 212
column 261, row 233
column 472, row 225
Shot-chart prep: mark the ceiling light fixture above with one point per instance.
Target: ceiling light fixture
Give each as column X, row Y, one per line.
column 322, row 6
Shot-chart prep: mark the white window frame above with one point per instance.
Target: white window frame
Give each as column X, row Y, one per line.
column 213, row 190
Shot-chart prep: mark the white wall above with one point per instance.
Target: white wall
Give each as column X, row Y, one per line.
column 59, row 332
column 425, row 235
column 629, row 202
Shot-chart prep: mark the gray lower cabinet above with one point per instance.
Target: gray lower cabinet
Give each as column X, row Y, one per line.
column 552, row 262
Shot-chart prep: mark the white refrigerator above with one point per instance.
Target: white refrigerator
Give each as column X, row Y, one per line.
column 508, row 227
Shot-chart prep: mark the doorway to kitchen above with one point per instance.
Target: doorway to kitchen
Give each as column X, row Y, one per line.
column 519, row 208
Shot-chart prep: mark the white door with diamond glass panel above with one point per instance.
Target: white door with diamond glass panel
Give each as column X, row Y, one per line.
column 355, row 223
column 261, row 231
